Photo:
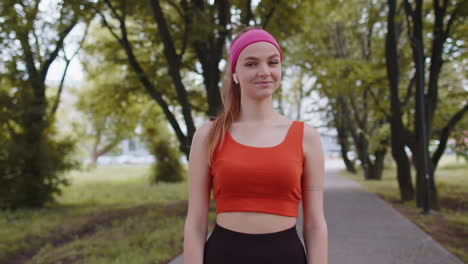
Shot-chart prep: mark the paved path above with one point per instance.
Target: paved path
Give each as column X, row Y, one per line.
column 363, row 229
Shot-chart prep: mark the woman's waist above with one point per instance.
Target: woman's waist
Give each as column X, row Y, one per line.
column 255, row 222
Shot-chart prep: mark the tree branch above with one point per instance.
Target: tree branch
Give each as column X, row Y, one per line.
column 59, row 44
column 67, row 64
column 223, row 9
column 179, row 11
column 408, row 13
column 187, row 27
column 39, row 56
column 378, row 104
column 247, row 15
column 163, row 29
column 451, row 20
column 147, row 84
column 409, row 92
column 446, row 133
column 408, row 8
column 113, row 11
column 359, row 121
column 108, row 26
column 268, row 17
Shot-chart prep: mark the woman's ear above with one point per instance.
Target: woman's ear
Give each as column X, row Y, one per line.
column 234, row 76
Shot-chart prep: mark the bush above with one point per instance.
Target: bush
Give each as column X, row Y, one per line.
column 30, row 174
column 163, row 146
column 167, row 167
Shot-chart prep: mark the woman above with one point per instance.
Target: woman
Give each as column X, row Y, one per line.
column 260, row 165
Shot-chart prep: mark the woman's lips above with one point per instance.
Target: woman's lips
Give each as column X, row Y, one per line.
column 263, row 83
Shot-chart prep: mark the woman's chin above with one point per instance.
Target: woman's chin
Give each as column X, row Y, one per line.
column 266, row 93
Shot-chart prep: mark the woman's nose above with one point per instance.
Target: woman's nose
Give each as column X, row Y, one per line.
column 263, row 70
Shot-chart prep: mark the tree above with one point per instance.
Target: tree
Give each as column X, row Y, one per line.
column 397, row 127
column 343, row 51
column 32, row 159
column 187, row 38
column 446, row 17
column 111, row 111
column 163, row 146
column 115, row 103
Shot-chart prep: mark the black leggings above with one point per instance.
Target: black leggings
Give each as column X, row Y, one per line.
column 225, row 246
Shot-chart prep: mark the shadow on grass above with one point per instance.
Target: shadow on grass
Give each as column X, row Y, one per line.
column 64, row 244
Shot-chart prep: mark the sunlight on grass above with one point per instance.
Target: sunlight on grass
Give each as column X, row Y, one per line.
column 124, row 185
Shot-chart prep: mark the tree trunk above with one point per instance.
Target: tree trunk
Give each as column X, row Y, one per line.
column 92, row 160
column 342, row 130
column 397, row 130
column 377, row 166
column 424, row 176
column 34, row 124
column 96, row 153
column 343, row 142
column 360, row 142
column 362, row 151
column 421, row 188
column 403, row 171
column 32, row 175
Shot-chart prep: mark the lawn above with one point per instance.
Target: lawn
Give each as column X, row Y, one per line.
column 447, row 226
column 108, row 215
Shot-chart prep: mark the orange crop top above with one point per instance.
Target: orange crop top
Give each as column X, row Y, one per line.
column 259, row 179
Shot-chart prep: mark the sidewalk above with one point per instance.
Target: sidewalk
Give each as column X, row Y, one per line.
column 363, row 229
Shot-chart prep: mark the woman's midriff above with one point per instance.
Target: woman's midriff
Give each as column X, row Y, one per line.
column 255, row 222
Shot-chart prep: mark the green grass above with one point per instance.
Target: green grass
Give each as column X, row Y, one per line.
column 139, row 239
column 122, row 185
column 107, row 215
column 447, row 226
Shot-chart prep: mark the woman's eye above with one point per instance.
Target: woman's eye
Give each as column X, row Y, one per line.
column 248, row 64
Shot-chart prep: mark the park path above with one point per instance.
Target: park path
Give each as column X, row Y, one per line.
column 364, row 229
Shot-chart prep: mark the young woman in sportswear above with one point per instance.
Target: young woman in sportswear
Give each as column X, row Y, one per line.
column 260, row 165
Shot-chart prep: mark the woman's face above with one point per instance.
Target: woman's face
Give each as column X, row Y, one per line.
column 258, row 70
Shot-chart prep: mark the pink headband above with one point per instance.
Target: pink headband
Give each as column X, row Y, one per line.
column 250, row 37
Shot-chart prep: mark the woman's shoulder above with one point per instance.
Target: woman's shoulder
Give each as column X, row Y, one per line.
column 311, row 137
column 202, row 132
column 206, row 127
column 309, row 130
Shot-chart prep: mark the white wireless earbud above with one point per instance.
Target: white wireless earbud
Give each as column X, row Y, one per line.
column 234, row 76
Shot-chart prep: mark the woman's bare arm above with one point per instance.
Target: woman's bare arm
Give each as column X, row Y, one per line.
column 196, row 223
column 315, row 229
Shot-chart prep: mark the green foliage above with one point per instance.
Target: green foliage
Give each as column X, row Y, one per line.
column 32, row 156
column 343, row 50
column 115, row 101
column 380, row 134
column 168, row 167
column 112, row 98
column 452, row 96
column 459, row 144
column 31, row 174
column 111, row 110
